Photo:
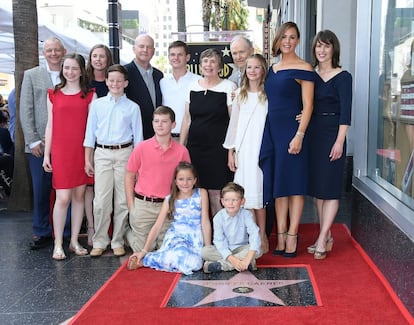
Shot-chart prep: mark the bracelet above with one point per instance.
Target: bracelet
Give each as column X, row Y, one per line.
column 300, row 134
column 144, row 251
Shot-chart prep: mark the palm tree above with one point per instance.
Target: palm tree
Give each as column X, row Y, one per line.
column 26, row 57
column 216, row 19
column 181, row 19
column 236, row 16
column 227, row 15
column 206, row 6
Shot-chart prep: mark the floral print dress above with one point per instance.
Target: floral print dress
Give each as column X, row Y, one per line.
column 181, row 248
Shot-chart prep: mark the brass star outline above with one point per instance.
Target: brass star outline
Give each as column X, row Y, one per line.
column 235, row 287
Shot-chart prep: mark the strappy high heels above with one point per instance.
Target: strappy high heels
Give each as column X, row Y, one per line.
column 294, row 253
column 280, row 251
column 329, row 246
column 78, row 249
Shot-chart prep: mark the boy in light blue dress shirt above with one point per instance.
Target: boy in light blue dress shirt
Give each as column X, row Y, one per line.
column 114, row 126
column 236, row 239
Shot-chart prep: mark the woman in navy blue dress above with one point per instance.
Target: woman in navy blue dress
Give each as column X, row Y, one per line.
column 327, row 131
column 284, row 150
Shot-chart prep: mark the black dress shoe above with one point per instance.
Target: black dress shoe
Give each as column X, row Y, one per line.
column 41, row 242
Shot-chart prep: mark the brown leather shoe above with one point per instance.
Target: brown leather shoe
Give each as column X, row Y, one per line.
column 96, row 252
column 119, row 251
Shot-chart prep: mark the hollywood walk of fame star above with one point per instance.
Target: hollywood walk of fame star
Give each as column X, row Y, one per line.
column 243, row 284
column 226, row 52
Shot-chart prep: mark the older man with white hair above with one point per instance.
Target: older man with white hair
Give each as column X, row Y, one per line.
column 241, row 48
column 144, row 82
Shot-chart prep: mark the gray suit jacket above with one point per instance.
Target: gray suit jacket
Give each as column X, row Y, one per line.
column 33, row 104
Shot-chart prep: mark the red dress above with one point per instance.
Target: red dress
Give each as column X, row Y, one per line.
column 70, row 113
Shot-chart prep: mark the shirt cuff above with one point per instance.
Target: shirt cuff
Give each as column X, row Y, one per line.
column 34, row 144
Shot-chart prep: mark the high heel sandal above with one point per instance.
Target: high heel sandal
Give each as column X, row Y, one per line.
column 280, row 251
column 78, row 249
column 58, row 253
column 329, row 246
column 320, row 255
column 292, row 254
column 91, row 232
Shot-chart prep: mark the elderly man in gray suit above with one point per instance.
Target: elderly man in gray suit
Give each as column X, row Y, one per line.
column 33, row 115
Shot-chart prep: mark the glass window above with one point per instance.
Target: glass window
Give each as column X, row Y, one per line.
column 391, row 125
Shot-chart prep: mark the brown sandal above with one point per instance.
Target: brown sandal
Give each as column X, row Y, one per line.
column 133, row 263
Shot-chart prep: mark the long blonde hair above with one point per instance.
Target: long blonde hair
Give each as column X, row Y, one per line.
column 245, row 83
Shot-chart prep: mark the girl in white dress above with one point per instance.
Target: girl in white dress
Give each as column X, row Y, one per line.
column 244, row 138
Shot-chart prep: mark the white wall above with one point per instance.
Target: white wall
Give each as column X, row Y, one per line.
column 340, row 17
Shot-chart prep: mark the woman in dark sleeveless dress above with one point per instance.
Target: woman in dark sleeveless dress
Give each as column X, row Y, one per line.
column 204, row 126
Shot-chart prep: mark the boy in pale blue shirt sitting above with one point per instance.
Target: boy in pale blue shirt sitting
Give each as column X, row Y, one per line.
column 114, row 127
column 237, row 242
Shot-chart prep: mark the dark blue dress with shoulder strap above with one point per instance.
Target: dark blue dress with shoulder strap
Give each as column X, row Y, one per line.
column 283, row 174
column 331, row 108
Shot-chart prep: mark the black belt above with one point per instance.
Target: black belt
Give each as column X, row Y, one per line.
column 114, row 146
column 326, row 114
column 149, row 199
column 175, row 135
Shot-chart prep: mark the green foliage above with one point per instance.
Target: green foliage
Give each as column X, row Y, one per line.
column 161, row 62
column 233, row 16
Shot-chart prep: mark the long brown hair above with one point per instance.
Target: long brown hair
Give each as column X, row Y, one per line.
column 83, row 80
column 279, row 34
column 182, row 165
column 109, row 60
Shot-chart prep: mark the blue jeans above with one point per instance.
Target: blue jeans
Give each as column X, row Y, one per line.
column 42, row 186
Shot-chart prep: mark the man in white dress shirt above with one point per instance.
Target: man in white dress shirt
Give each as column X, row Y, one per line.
column 174, row 86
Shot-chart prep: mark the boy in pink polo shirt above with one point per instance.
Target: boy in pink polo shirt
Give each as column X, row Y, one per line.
column 148, row 178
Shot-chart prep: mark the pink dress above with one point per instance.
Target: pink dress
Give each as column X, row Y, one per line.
column 70, row 113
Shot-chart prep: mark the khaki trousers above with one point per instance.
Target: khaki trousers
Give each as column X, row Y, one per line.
column 211, row 254
column 110, row 196
column 141, row 219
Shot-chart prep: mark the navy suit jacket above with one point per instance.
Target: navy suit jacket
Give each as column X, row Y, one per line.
column 137, row 91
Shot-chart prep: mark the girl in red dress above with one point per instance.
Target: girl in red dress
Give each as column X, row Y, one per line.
column 68, row 105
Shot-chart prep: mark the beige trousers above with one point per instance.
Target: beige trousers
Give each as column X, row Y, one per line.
column 141, row 219
column 211, row 254
column 110, row 196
